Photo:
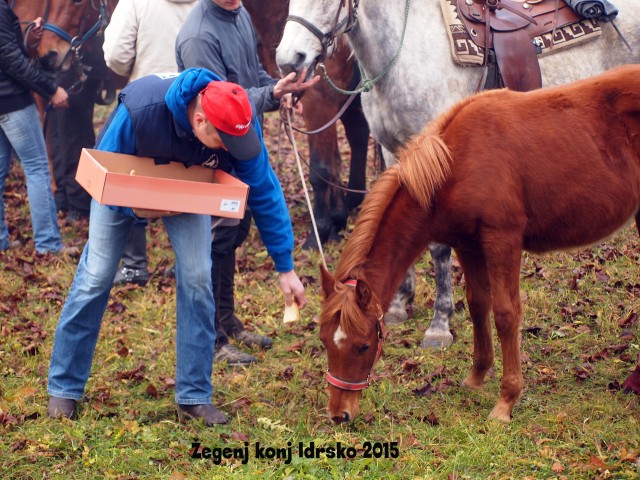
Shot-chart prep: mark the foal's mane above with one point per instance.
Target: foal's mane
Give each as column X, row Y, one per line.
column 343, row 303
column 424, row 164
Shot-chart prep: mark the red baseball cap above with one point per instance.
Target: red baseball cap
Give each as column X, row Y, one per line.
column 227, row 107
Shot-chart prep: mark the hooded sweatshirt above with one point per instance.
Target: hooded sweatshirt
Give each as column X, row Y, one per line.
column 151, row 120
column 141, row 35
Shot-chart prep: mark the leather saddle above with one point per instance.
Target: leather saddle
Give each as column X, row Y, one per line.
column 508, row 27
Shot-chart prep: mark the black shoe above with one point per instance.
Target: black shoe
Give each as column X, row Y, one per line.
column 251, row 339
column 233, row 356
column 62, row 408
column 209, row 414
column 131, row 275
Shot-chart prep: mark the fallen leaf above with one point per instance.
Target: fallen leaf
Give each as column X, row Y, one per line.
column 239, row 437
column 410, row 365
column 152, row 391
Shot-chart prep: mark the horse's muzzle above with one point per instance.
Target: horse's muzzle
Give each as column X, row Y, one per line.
column 338, row 419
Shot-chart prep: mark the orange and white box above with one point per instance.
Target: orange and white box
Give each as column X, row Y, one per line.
column 137, row 182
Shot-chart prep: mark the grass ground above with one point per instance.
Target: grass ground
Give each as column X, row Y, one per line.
column 581, row 339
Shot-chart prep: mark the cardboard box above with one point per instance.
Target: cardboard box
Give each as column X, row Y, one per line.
column 137, row 182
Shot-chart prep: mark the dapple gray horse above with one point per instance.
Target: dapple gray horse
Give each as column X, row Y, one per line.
column 423, row 81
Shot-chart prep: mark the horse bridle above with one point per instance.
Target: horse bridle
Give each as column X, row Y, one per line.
column 382, row 334
column 76, row 42
column 327, row 39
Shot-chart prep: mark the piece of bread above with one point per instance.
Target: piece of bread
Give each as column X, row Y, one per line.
column 291, row 313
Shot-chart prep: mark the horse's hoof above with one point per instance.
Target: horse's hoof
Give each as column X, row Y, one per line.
column 500, row 414
column 395, row 316
column 472, row 385
column 436, row 340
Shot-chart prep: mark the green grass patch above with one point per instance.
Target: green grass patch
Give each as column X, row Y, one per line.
column 572, row 421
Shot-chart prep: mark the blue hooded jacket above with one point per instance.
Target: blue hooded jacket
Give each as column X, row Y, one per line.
column 151, row 121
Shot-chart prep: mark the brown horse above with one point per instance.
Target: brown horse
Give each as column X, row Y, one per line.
column 70, row 29
column 331, row 204
column 67, row 25
column 70, row 41
column 499, row 173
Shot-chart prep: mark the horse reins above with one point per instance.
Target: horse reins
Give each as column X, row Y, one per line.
column 382, row 334
column 287, row 124
column 326, row 40
column 335, row 118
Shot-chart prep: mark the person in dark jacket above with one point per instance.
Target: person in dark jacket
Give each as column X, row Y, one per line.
column 71, row 129
column 218, row 35
column 20, row 132
column 197, row 119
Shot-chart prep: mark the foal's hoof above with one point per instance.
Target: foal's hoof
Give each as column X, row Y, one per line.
column 395, row 315
column 473, row 385
column 436, row 340
column 501, row 414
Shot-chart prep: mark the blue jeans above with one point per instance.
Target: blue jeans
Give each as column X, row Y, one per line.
column 20, row 132
column 81, row 316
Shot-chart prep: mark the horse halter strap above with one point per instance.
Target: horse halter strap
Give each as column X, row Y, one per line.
column 76, row 42
column 382, row 334
column 327, row 39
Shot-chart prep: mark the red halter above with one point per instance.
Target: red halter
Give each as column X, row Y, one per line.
column 382, row 334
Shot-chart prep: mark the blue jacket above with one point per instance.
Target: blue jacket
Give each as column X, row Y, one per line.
column 151, row 121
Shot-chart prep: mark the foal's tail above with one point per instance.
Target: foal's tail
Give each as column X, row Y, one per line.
column 424, row 165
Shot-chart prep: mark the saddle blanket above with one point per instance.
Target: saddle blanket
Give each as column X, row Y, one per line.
column 466, row 53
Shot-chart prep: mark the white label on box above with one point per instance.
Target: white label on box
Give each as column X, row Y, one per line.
column 230, row 205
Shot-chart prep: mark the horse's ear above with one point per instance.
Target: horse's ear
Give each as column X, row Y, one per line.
column 328, row 282
column 363, row 295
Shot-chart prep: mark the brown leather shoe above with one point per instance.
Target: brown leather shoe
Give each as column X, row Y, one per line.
column 62, row 408
column 209, row 414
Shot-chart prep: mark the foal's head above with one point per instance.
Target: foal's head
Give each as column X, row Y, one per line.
column 352, row 331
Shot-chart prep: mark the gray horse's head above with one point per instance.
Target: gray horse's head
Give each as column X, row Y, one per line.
column 307, row 34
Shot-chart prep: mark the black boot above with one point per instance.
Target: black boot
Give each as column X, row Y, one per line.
column 134, row 258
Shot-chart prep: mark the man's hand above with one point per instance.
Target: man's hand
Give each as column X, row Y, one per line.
column 147, row 213
column 291, row 84
column 292, row 288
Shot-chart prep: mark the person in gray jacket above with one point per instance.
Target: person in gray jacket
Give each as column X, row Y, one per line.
column 218, row 35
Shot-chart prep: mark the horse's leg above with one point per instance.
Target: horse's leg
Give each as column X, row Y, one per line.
column 322, row 153
column 438, row 334
column 503, row 254
column 356, row 129
column 403, row 298
column 632, row 382
column 337, row 198
column 478, row 289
